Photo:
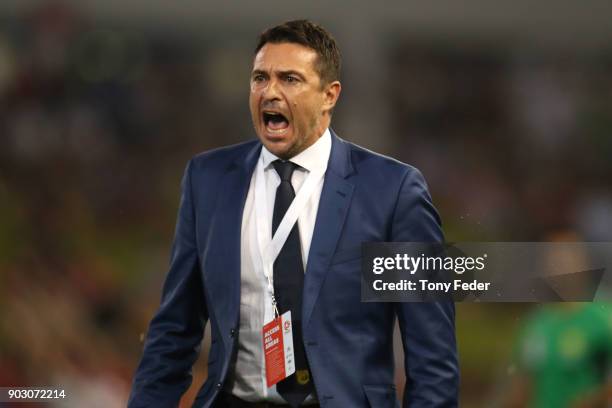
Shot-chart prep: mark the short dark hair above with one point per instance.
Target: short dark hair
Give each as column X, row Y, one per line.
column 310, row 35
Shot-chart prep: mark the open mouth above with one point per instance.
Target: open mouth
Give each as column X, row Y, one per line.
column 275, row 122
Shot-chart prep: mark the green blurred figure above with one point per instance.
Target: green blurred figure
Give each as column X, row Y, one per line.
column 564, row 358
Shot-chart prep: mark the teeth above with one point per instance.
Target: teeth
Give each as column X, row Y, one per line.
column 276, row 131
column 273, row 114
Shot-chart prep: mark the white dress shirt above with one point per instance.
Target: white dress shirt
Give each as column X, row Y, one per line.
column 247, row 379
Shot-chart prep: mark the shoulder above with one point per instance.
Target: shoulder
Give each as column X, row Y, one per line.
column 207, row 169
column 384, row 168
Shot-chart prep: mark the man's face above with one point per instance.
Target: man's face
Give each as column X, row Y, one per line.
column 289, row 106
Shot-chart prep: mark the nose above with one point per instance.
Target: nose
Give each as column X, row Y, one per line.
column 271, row 91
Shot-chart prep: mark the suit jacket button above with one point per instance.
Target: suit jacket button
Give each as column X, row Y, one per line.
column 232, row 332
column 219, row 385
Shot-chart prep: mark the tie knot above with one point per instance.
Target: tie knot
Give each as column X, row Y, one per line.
column 284, row 169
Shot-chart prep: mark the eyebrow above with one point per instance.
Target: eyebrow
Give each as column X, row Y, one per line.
column 282, row 73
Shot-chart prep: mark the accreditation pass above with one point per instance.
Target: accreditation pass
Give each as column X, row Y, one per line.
column 278, row 349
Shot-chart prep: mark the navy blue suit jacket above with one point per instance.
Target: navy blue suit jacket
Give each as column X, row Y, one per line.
column 366, row 197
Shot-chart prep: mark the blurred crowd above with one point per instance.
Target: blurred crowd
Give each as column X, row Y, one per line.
column 95, row 127
column 97, row 121
column 515, row 142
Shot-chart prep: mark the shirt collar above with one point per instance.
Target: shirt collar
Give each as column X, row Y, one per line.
column 315, row 156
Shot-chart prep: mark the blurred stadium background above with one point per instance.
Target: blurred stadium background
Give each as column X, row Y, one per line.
column 506, row 107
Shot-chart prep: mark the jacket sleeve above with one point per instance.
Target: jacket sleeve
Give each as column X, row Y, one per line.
column 175, row 333
column 427, row 328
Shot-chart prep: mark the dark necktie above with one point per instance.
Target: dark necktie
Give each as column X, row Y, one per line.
column 288, row 288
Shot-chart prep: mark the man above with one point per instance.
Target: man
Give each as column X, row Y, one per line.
column 564, row 358
column 235, row 199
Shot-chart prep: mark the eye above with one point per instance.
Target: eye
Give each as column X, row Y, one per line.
column 291, row 79
column 258, row 78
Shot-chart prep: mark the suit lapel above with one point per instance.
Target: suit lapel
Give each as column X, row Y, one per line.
column 333, row 207
column 222, row 270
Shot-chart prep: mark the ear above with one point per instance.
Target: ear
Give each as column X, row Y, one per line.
column 331, row 93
